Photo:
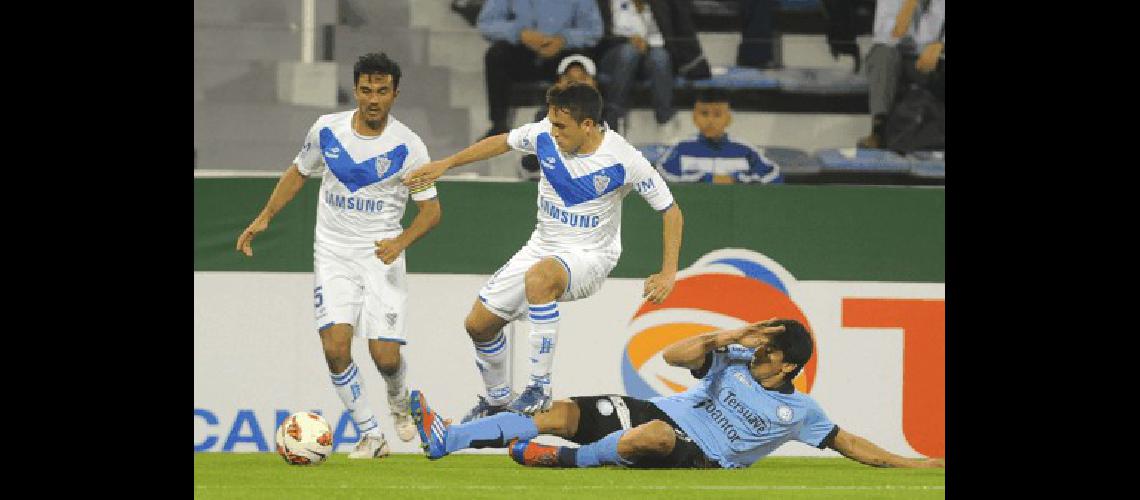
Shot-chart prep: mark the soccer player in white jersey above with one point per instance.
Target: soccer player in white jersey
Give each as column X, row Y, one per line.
column 744, row 407
column 358, row 245
column 586, row 172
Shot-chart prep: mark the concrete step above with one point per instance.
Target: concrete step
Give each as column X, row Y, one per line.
column 255, row 122
column 808, row 131
column 437, row 15
column 406, row 46
column 457, row 50
column 246, row 43
column 467, row 88
column 242, row 81
column 244, row 12
column 810, row 51
column 377, row 13
column 797, row 50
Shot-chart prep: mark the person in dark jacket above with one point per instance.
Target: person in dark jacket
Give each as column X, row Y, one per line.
column 649, row 38
column 528, row 39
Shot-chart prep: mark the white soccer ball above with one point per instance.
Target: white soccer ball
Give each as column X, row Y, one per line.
column 304, row 439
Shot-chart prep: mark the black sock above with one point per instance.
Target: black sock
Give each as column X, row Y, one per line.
column 568, row 456
column 877, row 123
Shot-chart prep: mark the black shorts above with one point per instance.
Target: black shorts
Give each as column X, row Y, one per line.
column 601, row 415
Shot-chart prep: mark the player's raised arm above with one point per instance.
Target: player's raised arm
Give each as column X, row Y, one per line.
column 690, row 353
column 485, row 149
column 287, row 186
column 866, row 452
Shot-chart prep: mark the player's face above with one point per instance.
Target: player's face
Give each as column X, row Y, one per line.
column 374, row 96
column 568, row 134
column 768, row 361
column 712, row 118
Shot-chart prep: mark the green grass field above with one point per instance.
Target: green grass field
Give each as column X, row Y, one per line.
column 265, row 475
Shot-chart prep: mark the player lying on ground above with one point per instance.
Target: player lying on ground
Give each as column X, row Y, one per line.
column 743, row 408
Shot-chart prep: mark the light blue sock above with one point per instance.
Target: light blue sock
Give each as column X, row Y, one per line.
column 602, row 452
column 490, row 432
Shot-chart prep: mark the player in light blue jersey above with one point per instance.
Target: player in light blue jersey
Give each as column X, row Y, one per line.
column 744, row 407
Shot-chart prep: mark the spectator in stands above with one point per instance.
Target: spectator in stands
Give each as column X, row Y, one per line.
column 573, row 68
column 651, row 39
column 907, row 46
column 757, row 34
column 841, row 28
column 712, row 156
column 528, row 39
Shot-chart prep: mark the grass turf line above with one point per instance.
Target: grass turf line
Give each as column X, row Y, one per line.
column 265, row 475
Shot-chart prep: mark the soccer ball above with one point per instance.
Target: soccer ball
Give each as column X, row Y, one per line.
column 304, row 439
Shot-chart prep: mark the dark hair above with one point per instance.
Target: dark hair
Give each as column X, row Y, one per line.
column 713, row 95
column 578, row 99
column 376, row 63
column 795, row 343
column 575, row 64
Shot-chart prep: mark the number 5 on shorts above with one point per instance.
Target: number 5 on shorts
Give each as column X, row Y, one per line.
column 318, row 297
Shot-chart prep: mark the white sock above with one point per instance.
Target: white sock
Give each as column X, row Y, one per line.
column 543, row 337
column 396, row 388
column 491, row 358
column 350, row 389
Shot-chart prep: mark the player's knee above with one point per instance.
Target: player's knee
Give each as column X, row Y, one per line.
column 657, row 438
column 543, row 281
column 560, row 420
column 388, row 366
column 337, row 354
column 477, row 330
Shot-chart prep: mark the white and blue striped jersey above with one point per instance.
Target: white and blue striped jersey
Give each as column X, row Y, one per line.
column 580, row 196
column 700, row 159
column 362, row 198
column 735, row 420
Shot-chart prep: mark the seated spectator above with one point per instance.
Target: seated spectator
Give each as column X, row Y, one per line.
column 840, row 16
column 712, row 156
column 757, row 30
column 650, row 40
column 907, row 46
column 528, row 39
column 572, row 68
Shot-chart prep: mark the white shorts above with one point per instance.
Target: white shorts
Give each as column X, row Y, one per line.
column 505, row 293
column 353, row 286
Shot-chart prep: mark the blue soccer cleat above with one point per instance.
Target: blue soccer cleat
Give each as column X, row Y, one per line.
column 482, row 409
column 533, row 399
column 432, row 428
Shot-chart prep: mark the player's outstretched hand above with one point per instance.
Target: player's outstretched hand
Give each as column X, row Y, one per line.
column 931, row 463
column 388, row 250
column 245, row 241
column 753, row 335
column 658, row 286
column 422, row 177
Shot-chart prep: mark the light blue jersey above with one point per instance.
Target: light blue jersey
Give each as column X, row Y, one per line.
column 736, row 421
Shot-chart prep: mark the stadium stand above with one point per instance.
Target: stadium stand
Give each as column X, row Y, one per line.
column 802, row 113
